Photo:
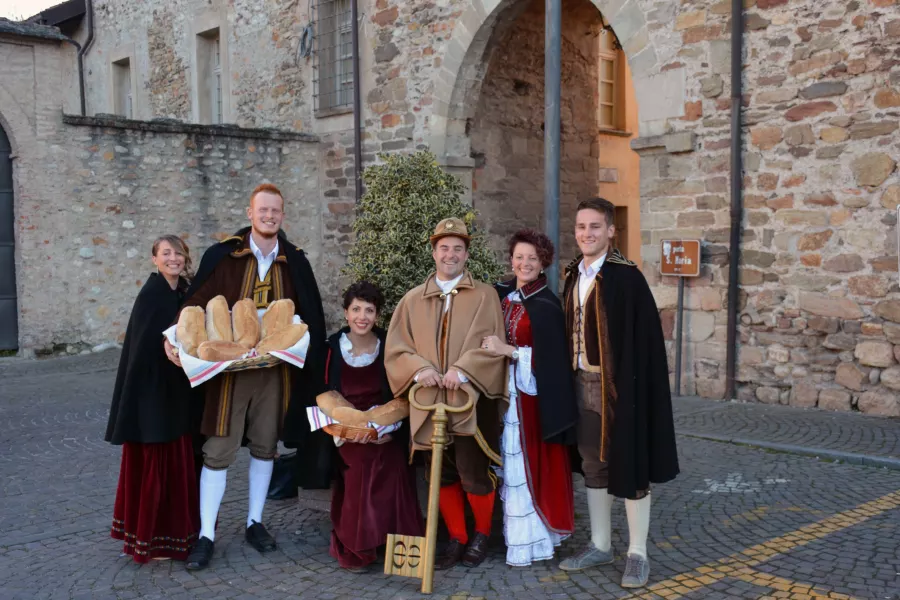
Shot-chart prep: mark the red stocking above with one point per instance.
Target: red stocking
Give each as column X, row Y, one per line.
column 453, row 510
column 483, row 509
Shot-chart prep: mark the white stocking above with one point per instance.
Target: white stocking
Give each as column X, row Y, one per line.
column 600, row 511
column 212, row 488
column 638, row 512
column 260, row 476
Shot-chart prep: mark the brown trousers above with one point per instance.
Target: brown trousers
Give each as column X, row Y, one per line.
column 464, row 461
column 256, row 412
column 589, row 433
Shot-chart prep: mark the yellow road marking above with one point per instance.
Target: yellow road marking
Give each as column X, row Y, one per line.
column 739, row 565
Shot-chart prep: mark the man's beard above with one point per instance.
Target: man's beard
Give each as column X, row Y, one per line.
column 264, row 235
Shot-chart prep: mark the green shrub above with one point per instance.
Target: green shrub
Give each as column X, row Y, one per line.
column 406, row 197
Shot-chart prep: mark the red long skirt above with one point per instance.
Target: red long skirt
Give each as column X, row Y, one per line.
column 157, row 511
column 374, row 496
column 548, row 469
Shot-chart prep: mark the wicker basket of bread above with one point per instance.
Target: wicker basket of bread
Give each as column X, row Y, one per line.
column 244, row 337
column 348, row 432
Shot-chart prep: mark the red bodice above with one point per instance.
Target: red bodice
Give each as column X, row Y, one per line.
column 518, row 325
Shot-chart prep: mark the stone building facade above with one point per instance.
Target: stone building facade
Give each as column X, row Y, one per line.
column 819, row 304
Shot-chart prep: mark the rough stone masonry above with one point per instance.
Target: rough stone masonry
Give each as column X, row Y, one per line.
column 819, row 308
column 128, row 182
column 819, row 302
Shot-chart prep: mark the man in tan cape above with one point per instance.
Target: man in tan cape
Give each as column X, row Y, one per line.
column 436, row 340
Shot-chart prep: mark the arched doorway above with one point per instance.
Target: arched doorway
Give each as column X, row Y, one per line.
column 505, row 127
column 9, row 328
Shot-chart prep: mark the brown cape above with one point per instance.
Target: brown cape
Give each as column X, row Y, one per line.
column 412, row 347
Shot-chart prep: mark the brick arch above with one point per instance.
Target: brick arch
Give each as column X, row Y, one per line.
column 465, row 62
column 15, row 123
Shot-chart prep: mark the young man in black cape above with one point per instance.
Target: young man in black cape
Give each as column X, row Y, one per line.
column 626, row 434
column 257, row 407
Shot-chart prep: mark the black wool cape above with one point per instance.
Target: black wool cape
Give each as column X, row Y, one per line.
column 308, row 382
column 642, row 443
column 552, row 363
column 152, row 399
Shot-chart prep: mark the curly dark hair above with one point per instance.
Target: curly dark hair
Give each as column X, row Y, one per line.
column 365, row 291
column 540, row 241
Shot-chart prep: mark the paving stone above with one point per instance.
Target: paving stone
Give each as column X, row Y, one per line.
column 58, row 486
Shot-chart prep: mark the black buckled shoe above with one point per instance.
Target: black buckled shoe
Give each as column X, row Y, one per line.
column 259, row 538
column 200, row 554
column 477, row 551
column 451, row 556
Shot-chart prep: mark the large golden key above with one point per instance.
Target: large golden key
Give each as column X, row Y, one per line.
column 413, row 555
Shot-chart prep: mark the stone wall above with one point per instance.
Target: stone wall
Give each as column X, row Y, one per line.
column 818, row 267
column 84, row 250
column 819, row 297
column 267, row 84
column 819, row 256
column 34, row 73
column 507, row 137
column 508, row 129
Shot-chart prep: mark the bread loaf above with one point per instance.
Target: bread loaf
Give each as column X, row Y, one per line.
column 245, row 323
column 191, row 329
column 328, row 401
column 279, row 315
column 389, row 413
column 282, row 339
column 218, row 321
column 347, row 415
column 218, row 350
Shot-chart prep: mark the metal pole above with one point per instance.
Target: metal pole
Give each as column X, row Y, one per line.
column 678, row 327
column 737, row 33
column 357, row 107
column 552, row 83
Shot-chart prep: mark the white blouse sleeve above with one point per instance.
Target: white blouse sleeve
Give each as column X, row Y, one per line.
column 525, row 380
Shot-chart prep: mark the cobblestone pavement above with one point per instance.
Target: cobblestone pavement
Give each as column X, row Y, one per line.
column 739, row 522
column 833, row 434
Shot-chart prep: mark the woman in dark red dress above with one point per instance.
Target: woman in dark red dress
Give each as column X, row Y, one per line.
column 152, row 414
column 375, row 491
column 539, row 426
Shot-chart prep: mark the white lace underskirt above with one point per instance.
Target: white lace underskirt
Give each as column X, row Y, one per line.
column 527, row 538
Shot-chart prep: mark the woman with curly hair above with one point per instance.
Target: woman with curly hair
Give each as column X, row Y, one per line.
column 152, row 417
column 539, row 426
column 374, row 493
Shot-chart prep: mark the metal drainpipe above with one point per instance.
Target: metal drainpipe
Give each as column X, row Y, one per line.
column 82, row 51
column 357, row 105
column 552, row 84
column 737, row 33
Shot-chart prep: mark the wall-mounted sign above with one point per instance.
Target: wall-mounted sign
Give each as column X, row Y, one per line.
column 680, row 258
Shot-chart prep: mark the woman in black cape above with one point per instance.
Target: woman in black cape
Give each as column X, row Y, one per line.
column 152, row 417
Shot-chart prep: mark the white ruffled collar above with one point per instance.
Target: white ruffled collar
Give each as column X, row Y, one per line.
column 363, row 360
column 514, row 296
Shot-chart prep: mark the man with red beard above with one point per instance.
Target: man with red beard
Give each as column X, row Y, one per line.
column 257, row 407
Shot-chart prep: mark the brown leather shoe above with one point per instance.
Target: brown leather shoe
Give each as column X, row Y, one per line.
column 452, row 555
column 476, row 552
